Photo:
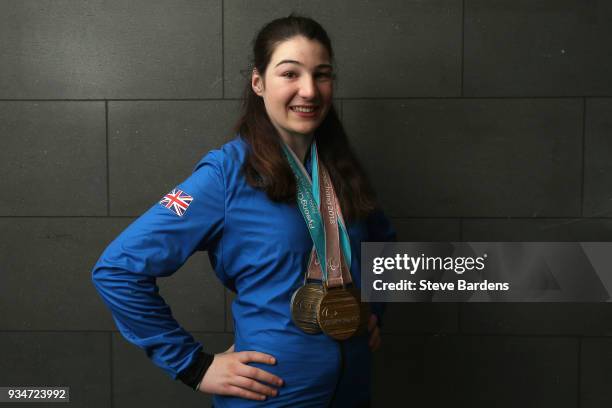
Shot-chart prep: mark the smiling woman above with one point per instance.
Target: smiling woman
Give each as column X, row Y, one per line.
column 289, row 96
column 302, row 336
column 297, row 90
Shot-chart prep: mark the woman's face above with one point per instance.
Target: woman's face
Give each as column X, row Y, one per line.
column 297, row 86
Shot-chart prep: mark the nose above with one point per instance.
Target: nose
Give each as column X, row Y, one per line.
column 308, row 87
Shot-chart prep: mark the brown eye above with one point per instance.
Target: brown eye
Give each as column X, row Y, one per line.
column 289, row 74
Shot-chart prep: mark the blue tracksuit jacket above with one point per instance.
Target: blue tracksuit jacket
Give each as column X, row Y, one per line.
column 259, row 249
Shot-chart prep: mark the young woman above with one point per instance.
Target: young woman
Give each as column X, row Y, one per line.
column 240, row 206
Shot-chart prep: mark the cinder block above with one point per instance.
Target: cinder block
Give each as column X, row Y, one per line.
column 398, row 372
column 596, row 373
column 77, row 360
column 501, row 371
column 46, row 269
column 53, row 158
column 471, row 157
column 138, row 382
column 543, row 48
column 597, row 163
column 111, row 49
column 442, row 371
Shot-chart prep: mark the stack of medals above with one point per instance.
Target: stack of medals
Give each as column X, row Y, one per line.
column 327, row 301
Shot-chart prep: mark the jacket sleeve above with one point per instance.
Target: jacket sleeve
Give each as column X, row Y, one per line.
column 380, row 230
column 154, row 245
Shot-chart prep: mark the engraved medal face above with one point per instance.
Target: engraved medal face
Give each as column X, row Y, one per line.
column 364, row 311
column 339, row 314
column 304, row 305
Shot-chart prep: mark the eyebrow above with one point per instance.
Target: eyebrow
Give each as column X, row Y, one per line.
column 299, row 63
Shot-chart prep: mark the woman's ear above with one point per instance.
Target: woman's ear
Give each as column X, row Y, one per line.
column 257, row 82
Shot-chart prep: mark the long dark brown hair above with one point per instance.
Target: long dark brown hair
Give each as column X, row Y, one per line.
column 265, row 166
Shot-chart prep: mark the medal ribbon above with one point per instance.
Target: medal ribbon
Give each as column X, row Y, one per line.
column 338, row 273
column 329, row 232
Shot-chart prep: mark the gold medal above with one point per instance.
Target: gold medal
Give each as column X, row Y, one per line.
column 364, row 311
column 333, row 306
column 304, row 305
column 338, row 314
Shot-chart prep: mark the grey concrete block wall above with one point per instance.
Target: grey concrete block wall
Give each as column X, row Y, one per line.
column 471, row 157
column 135, row 383
column 540, row 48
column 53, row 159
column 468, row 371
column 111, row 50
column 476, row 120
column 79, row 359
column 154, row 145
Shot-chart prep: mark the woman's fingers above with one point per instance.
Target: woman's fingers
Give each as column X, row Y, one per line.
column 255, row 356
column 247, row 378
column 258, row 374
column 229, row 374
column 252, row 385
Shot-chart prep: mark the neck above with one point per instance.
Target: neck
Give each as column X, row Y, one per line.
column 298, row 143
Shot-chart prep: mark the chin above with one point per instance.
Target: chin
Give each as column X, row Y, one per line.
column 305, row 132
column 306, row 129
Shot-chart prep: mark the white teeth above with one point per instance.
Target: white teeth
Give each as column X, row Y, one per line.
column 300, row 109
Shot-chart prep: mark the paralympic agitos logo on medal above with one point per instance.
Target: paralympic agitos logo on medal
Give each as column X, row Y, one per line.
column 413, row 264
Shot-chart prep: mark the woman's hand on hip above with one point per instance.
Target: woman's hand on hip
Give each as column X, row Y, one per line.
column 375, row 339
column 230, row 375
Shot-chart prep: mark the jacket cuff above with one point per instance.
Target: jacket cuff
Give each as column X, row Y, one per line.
column 192, row 375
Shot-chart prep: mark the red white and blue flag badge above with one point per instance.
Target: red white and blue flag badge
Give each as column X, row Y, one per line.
column 177, row 201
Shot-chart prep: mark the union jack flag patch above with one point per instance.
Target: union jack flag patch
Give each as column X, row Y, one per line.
column 177, row 201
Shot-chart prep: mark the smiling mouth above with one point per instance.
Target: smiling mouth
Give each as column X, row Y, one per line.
column 304, row 109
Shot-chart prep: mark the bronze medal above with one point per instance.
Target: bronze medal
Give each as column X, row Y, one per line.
column 330, row 306
column 338, row 314
column 304, row 305
column 364, row 311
